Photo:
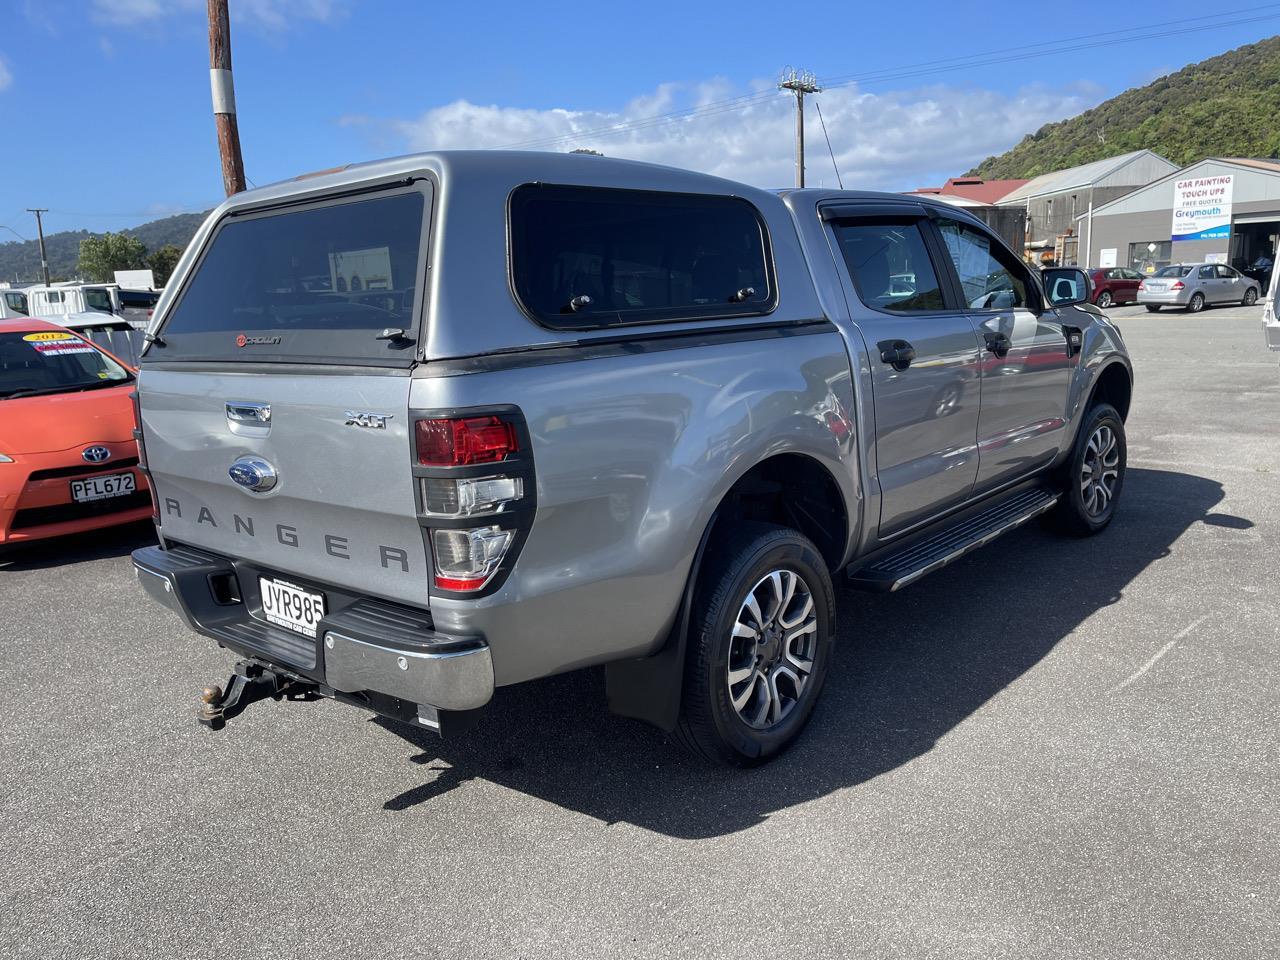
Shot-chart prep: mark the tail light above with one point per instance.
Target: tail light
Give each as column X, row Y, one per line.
column 475, row 488
column 1178, row 285
column 460, row 442
column 1142, row 284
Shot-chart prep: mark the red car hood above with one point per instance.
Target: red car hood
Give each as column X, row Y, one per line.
column 59, row 421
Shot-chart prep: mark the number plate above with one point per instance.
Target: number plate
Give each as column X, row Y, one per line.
column 288, row 605
column 100, row 488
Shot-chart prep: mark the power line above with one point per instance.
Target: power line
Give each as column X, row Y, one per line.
column 925, row 68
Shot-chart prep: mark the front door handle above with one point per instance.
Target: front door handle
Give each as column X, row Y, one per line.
column 897, row 353
column 998, row 343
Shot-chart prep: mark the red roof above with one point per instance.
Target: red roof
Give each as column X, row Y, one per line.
column 975, row 188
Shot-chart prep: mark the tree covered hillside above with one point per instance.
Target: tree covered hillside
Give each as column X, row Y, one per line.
column 21, row 261
column 1227, row 106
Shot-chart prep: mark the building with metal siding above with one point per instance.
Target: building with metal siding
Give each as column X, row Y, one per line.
column 1054, row 202
column 1137, row 229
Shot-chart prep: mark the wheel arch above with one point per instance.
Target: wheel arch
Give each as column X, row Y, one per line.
column 1114, row 385
column 788, row 489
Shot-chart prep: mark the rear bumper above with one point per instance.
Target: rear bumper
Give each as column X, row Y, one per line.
column 362, row 646
column 1169, row 298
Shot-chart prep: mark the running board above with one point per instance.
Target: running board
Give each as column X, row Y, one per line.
column 907, row 564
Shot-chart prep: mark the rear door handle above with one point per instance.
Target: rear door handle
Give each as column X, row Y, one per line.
column 998, row 343
column 897, row 353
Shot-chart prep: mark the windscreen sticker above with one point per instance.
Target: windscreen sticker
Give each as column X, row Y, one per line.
column 49, row 336
column 61, row 348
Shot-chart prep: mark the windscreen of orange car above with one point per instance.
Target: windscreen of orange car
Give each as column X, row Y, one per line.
column 53, row 361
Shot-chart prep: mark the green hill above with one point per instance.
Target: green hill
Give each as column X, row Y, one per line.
column 21, row 261
column 1226, row 106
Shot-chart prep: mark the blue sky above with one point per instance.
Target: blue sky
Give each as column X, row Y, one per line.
column 108, row 109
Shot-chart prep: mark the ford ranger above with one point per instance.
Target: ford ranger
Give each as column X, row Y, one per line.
column 424, row 427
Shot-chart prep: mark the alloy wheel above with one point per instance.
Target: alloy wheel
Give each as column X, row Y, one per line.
column 1196, row 304
column 772, row 648
column 1100, row 471
column 1104, row 299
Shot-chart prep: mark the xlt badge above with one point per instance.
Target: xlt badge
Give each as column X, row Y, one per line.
column 358, row 418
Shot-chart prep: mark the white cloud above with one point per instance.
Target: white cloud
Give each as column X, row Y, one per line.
column 892, row 140
column 6, row 75
column 273, row 14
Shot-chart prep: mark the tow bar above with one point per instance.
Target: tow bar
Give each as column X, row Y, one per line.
column 250, row 683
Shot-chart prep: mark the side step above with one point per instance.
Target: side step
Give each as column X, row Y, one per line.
column 909, row 562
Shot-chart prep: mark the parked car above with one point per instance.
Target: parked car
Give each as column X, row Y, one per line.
column 118, row 336
column 643, row 419
column 1114, row 285
column 68, row 458
column 13, row 303
column 1271, row 313
column 1195, row 286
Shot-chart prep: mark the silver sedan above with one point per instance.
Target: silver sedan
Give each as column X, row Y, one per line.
column 1194, row 286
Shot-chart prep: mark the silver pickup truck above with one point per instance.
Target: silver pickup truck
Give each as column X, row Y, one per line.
column 429, row 426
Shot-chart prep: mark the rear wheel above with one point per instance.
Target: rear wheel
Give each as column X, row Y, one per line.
column 759, row 648
column 1250, row 297
column 1094, row 476
column 1105, row 299
column 1153, row 307
column 1196, row 303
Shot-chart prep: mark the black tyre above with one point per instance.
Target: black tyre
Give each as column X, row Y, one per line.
column 1196, row 303
column 1105, row 299
column 1153, row 307
column 1250, row 297
column 760, row 643
column 1094, row 476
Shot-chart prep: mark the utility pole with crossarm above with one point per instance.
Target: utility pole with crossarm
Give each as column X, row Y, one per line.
column 799, row 82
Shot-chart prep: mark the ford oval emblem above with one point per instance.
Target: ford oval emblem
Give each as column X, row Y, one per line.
column 95, row 454
column 253, row 473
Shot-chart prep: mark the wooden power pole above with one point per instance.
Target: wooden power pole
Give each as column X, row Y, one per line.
column 224, row 97
column 799, row 82
column 44, row 259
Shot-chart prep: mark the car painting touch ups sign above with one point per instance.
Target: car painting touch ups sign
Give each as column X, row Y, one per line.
column 1202, row 208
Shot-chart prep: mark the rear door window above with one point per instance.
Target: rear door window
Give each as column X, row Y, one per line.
column 584, row 257
column 331, row 283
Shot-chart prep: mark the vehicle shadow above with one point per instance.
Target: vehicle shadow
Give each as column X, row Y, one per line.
column 909, row 668
column 77, row 547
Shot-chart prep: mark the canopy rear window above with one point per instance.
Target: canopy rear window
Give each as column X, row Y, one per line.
column 585, row 257
column 330, row 283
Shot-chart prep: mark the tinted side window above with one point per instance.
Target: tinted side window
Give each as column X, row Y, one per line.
column 17, row 302
column 1206, row 273
column 889, row 264
column 987, row 275
column 591, row 257
column 97, row 299
column 1226, row 273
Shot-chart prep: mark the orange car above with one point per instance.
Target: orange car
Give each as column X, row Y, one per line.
column 68, row 459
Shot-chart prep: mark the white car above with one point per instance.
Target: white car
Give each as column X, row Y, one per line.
column 1271, row 313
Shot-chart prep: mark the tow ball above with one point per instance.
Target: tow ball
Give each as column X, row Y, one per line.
column 249, row 683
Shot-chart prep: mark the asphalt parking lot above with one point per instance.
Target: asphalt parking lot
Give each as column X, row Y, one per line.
column 1055, row 748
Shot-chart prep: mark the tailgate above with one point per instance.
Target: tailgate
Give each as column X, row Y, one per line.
column 342, row 509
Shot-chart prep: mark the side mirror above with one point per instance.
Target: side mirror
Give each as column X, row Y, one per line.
column 1066, row 286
